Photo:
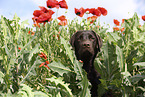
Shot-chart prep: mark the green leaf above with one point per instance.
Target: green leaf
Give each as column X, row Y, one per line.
column 132, row 55
column 40, row 94
column 120, row 58
column 1, row 76
column 106, row 58
column 143, row 89
column 34, row 51
column 8, row 25
column 22, row 49
column 68, row 49
column 23, row 23
column 26, row 89
column 137, row 78
column 59, row 81
column 110, row 62
column 136, row 35
column 29, row 71
column 76, row 64
column 85, row 83
column 7, row 51
column 16, row 18
column 58, row 94
column 113, row 36
column 141, row 64
column 59, row 68
column 23, row 93
column 78, row 69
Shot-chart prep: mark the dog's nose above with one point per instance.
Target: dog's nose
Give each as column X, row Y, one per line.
column 86, row 45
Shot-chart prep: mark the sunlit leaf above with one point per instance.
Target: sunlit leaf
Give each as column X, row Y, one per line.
column 40, row 94
column 26, row 89
column 120, row 58
column 59, row 81
column 1, row 76
column 141, row 64
column 85, row 83
column 68, row 49
column 59, row 68
column 113, row 36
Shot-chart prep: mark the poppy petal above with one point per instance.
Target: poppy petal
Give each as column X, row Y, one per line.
column 42, row 64
column 37, row 13
column 143, row 18
column 47, row 66
column 52, row 3
column 80, row 12
column 116, row 22
column 63, row 4
column 103, row 11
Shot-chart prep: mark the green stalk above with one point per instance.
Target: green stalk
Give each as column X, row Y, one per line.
column 17, row 67
column 29, row 71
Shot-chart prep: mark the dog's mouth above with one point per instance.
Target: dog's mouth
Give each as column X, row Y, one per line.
column 86, row 54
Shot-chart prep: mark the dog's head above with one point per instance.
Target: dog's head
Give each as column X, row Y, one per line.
column 86, row 44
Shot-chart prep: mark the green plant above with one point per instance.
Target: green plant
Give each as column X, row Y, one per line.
column 120, row 62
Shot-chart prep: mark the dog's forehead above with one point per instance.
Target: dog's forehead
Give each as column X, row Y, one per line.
column 84, row 33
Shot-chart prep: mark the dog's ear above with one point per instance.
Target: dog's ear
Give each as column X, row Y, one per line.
column 73, row 38
column 99, row 41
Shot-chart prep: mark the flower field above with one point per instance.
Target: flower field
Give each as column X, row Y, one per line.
column 38, row 61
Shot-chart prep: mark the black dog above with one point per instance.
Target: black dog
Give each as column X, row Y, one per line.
column 87, row 44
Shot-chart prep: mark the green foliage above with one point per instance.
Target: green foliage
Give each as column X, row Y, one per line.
column 121, row 62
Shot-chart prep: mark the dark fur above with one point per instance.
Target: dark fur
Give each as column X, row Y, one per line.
column 87, row 44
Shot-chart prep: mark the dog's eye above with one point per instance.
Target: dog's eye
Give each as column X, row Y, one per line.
column 91, row 37
column 80, row 38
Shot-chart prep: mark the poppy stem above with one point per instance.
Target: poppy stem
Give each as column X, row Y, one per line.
column 57, row 13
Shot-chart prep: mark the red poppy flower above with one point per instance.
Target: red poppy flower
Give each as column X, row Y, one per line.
column 115, row 29
column 45, row 17
column 19, row 48
column 123, row 20
column 42, row 55
column 63, row 4
column 32, row 33
column 45, row 10
column 122, row 29
column 97, row 12
column 103, row 11
column 51, row 12
column 37, row 13
column 42, row 8
column 52, row 3
column 143, row 18
column 116, row 22
column 94, row 11
column 80, row 12
column 44, row 64
column 93, row 18
column 91, row 10
column 63, row 23
column 63, row 20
